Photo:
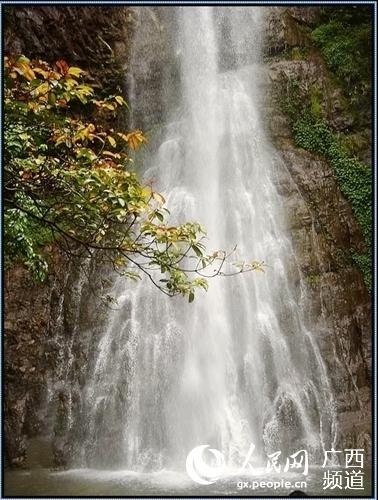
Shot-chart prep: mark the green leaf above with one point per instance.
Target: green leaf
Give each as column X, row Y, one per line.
column 87, row 154
column 159, row 216
column 197, row 250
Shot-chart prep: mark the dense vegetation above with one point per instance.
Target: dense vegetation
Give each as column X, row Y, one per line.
column 69, row 180
column 343, row 35
column 354, row 177
column 344, row 38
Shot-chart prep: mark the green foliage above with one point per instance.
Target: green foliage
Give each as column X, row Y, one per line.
column 298, row 53
column 356, row 143
column 292, row 54
column 344, row 40
column 311, row 132
column 313, row 279
column 343, row 37
column 354, row 176
column 70, row 181
column 364, row 262
column 292, row 103
column 315, row 101
column 25, row 240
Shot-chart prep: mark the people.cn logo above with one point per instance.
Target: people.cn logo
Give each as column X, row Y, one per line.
column 199, row 471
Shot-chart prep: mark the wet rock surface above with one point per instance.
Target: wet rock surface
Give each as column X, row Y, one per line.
column 288, row 27
column 323, row 228
column 29, row 356
column 93, row 37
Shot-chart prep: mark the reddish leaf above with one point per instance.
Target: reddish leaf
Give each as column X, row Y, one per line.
column 62, row 66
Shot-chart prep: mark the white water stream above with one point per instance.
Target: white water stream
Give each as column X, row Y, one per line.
column 239, row 365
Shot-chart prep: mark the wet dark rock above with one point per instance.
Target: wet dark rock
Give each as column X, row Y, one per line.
column 93, row 37
column 289, row 27
column 323, row 228
column 28, row 309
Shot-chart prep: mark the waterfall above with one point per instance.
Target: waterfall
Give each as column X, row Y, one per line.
column 240, row 364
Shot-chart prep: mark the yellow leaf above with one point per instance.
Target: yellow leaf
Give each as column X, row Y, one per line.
column 34, row 106
column 120, row 261
column 123, row 136
column 42, row 72
column 54, row 75
column 70, row 83
column 60, row 139
column 23, row 59
column 85, row 133
column 41, row 89
column 121, row 101
column 146, row 191
column 75, row 71
column 113, row 155
column 135, row 139
column 104, row 104
column 111, row 141
column 26, row 69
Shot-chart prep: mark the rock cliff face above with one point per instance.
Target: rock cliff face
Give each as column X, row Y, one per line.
column 41, row 337
column 40, row 319
column 30, row 355
column 50, row 330
column 322, row 224
column 94, row 38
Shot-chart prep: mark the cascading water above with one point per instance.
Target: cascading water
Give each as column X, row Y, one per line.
column 239, row 365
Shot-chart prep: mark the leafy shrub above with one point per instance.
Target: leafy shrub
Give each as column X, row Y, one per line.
column 344, row 40
column 68, row 179
column 343, row 36
column 354, row 177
